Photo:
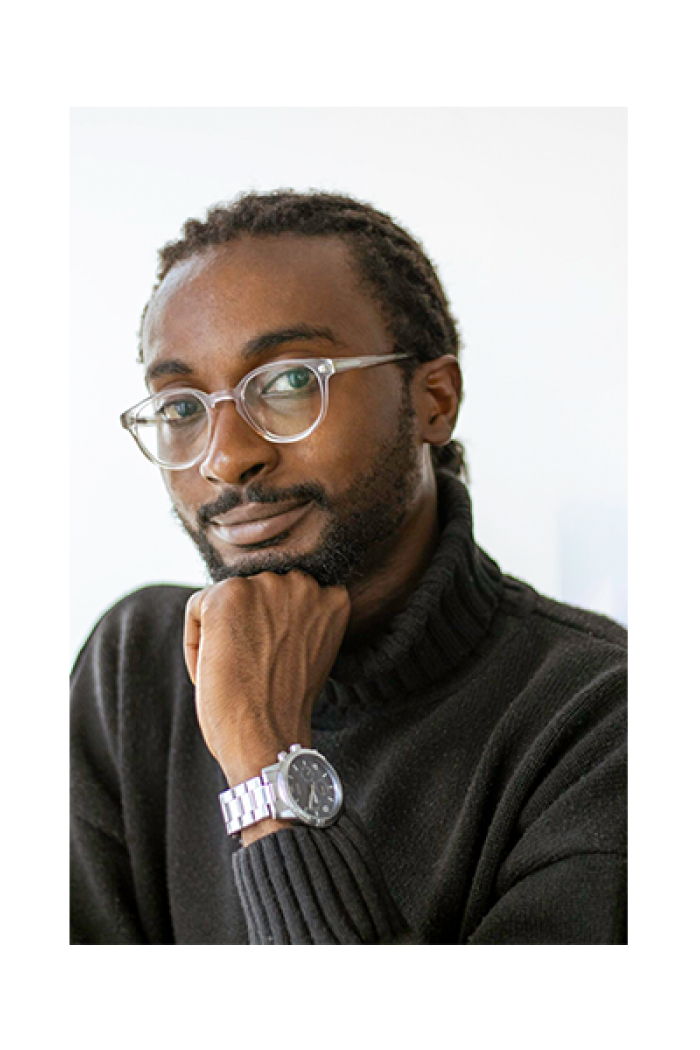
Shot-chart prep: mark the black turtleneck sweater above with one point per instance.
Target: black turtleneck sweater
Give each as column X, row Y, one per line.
column 480, row 741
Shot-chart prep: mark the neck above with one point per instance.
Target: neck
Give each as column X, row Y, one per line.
column 385, row 587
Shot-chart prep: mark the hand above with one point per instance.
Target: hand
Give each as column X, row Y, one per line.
column 259, row 650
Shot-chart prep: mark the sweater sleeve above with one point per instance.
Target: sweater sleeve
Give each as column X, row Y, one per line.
column 554, row 867
column 316, row 886
column 580, row 899
column 121, row 690
column 103, row 907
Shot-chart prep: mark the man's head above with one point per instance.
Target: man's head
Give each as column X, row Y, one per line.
column 286, row 276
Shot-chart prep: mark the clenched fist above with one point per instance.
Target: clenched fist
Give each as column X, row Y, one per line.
column 259, row 650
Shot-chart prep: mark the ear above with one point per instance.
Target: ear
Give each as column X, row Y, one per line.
column 438, row 392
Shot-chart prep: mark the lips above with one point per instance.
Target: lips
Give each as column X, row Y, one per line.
column 254, row 523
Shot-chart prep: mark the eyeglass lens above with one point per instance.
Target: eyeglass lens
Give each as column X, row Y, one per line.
column 173, row 427
column 284, row 401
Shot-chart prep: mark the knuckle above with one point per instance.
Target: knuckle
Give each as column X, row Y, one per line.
column 300, row 579
column 223, row 594
column 194, row 602
column 339, row 597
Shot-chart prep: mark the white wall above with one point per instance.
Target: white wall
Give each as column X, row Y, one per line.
column 524, row 213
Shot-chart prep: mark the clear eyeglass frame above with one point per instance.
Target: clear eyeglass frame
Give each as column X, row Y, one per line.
column 322, row 367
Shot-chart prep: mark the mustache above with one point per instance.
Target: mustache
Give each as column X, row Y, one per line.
column 232, row 498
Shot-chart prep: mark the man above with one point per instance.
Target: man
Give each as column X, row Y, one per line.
column 404, row 744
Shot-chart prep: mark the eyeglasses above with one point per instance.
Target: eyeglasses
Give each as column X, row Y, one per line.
column 283, row 402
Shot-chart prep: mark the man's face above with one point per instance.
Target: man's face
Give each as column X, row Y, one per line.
column 338, row 500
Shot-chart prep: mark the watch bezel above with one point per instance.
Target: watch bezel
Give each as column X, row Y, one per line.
column 301, row 814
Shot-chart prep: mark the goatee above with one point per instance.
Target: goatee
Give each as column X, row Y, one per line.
column 366, row 516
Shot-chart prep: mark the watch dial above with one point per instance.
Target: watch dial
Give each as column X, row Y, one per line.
column 312, row 787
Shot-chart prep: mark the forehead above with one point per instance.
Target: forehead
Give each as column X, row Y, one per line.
column 215, row 302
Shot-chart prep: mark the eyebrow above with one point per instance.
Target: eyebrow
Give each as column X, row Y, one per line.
column 271, row 340
column 253, row 348
column 167, row 368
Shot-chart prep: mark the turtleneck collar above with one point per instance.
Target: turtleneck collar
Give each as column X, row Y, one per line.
column 444, row 622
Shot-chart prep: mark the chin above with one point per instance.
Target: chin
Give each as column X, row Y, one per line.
column 334, row 560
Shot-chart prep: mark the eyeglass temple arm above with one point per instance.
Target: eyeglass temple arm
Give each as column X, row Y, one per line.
column 343, row 364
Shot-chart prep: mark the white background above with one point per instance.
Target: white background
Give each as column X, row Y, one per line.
column 523, row 211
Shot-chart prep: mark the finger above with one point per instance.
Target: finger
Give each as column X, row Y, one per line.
column 192, row 633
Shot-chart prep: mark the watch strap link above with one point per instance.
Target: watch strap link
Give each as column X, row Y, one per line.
column 247, row 803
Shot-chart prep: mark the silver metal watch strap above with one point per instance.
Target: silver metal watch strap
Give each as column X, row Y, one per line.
column 247, row 803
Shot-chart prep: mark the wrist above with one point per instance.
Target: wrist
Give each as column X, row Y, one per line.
column 261, row 829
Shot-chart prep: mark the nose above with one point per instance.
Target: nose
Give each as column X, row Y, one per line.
column 236, row 454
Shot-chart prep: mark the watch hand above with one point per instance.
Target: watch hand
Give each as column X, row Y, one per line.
column 312, row 795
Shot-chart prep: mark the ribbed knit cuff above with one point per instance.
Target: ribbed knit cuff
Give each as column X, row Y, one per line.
column 307, row 885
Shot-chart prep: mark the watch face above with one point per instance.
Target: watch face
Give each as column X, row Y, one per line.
column 313, row 788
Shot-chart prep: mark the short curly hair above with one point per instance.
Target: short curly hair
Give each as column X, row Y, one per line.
column 392, row 266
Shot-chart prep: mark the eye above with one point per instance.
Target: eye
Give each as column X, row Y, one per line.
column 181, row 409
column 291, row 382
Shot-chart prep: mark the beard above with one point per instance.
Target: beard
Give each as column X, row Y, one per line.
column 360, row 521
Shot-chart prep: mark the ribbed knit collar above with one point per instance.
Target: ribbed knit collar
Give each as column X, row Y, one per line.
column 444, row 622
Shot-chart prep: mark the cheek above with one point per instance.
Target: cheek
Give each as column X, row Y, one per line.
column 342, row 448
column 183, row 490
column 363, row 417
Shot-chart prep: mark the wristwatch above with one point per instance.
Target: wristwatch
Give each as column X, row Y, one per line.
column 301, row 786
